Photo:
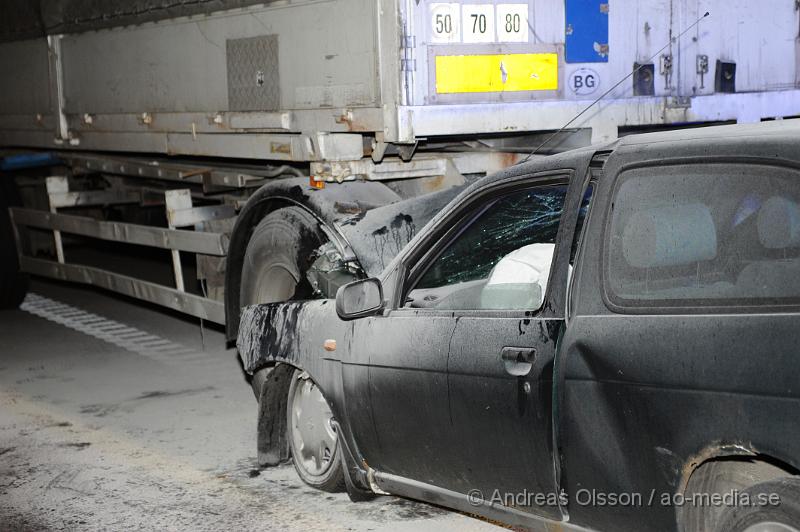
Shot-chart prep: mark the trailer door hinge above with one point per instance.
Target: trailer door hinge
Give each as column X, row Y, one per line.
column 408, row 63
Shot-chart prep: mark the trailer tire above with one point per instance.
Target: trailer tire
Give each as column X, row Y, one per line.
column 13, row 283
column 278, row 254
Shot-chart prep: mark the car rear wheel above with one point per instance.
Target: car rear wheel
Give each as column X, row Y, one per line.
column 721, row 478
column 777, row 508
column 312, row 437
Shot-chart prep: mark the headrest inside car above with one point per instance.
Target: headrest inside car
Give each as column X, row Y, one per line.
column 669, row 236
column 779, row 223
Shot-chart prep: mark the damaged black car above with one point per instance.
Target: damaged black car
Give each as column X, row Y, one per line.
column 606, row 339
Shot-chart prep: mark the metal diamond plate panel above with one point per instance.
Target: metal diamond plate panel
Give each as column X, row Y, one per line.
column 253, row 77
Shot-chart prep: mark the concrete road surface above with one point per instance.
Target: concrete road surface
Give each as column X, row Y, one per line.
column 115, row 415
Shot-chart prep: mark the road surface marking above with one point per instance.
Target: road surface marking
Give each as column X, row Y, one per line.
column 114, row 332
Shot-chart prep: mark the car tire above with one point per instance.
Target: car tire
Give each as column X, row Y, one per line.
column 314, row 443
column 719, row 477
column 272, row 443
column 13, row 283
column 766, row 516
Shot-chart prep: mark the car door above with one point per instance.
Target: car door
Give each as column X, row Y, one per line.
column 460, row 368
column 683, row 343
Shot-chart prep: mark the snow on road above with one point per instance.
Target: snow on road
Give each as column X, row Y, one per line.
column 101, row 430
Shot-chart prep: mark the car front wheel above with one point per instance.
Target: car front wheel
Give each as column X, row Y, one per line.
column 312, row 438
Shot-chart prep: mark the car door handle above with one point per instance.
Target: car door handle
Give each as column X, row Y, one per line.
column 518, row 361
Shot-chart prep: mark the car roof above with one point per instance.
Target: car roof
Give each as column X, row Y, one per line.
column 775, row 129
column 772, row 128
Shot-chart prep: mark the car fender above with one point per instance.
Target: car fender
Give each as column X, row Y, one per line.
column 332, row 206
column 367, row 221
column 304, row 335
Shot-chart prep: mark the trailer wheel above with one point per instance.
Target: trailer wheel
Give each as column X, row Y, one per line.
column 13, row 283
column 278, row 254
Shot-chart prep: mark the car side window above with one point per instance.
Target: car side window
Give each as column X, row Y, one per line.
column 500, row 261
column 711, row 235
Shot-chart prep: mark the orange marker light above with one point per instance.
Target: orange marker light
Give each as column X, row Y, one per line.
column 329, row 345
column 316, row 183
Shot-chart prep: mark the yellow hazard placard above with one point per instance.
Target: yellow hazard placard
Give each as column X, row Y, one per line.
column 496, row 73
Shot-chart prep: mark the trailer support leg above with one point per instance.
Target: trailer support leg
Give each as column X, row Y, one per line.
column 56, row 185
column 177, row 200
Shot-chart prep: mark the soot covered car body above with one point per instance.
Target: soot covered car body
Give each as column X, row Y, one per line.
column 579, row 341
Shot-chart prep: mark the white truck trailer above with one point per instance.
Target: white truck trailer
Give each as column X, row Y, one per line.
column 328, row 131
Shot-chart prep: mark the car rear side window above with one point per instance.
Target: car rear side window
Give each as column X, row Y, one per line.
column 704, row 235
column 501, row 261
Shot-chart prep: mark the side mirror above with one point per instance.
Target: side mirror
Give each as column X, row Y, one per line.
column 359, row 299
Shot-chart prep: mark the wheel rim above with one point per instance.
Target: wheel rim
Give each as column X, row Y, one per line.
column 313, row 437
column 770, row 526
